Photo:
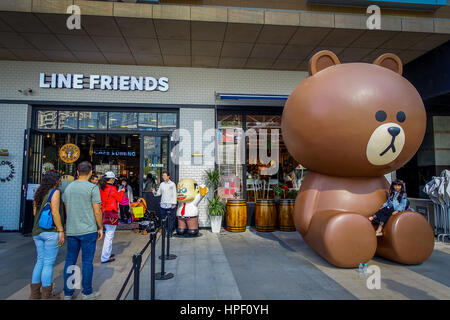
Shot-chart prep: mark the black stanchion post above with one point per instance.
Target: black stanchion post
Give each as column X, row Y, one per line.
column 168, row 255
column 152, row 264
column 163, row 275
column 137, row 260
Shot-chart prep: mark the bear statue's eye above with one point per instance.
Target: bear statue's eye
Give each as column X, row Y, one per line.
column 380, row 115
column 401, row 116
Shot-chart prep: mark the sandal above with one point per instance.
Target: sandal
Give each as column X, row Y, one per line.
column 110, row 260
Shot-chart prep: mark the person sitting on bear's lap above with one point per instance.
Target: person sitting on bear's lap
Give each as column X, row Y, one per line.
column 395, row 203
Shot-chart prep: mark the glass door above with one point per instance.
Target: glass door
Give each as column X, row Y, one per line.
column 155, row 159
column 34, row 143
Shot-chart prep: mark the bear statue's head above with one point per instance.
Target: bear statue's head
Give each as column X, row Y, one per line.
column 353, row 119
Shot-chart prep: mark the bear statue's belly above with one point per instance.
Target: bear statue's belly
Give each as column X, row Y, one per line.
column 322, row 193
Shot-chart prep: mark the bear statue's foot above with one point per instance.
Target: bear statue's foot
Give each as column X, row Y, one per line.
column 407, row 238
column 343, row 239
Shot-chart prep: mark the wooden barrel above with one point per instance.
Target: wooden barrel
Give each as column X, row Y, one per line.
column 236, row 215
column 286, row 215
column 265, row 215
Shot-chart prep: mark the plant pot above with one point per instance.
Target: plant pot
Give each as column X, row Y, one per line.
column 216, row 223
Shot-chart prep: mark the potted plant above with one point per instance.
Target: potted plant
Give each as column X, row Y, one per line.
column 278, row 191
column 216, row 208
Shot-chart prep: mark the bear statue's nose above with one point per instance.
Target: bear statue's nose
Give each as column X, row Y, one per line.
column 394, row 131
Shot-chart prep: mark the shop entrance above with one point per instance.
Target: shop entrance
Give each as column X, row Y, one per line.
column 140, row 158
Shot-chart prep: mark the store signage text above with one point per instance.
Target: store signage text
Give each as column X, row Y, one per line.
column 115, row 153
column 102, row 82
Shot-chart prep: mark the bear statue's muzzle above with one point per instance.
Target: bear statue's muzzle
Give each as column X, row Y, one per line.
column 393, row 131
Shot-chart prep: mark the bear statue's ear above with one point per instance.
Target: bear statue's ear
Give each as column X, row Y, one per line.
column 390, row 61
column 322, row 60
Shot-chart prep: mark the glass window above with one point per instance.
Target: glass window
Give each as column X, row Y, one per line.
column 230, row 153
column 122, row 120
column 147, row 121
column 270, row 167
column 68, row 120
column 167, row 121
column 93, row 120
column 46, row 119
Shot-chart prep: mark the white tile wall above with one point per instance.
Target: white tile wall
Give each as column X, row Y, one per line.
column 189, row 119
column 13, row 122
column 186, row 85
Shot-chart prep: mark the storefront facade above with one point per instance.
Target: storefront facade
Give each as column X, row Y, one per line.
column 47, row 118
column 135, row 74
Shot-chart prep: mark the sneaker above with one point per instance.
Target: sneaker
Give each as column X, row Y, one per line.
column 129, row 221
column 92, row 296
column 68, row 297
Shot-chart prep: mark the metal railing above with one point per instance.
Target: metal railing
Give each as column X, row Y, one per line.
column 137, row 262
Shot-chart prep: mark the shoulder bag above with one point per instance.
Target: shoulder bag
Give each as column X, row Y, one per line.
column 45, row 218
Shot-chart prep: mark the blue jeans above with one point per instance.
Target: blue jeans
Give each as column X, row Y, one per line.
column 87, row 243
column 47, row 250
column 171, row 212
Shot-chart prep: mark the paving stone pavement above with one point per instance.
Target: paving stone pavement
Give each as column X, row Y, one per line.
column 279, row 265
column 18, row 256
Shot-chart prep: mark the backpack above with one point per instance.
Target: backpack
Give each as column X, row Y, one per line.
column 45, row 218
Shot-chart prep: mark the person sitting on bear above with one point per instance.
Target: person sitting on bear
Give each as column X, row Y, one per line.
column 395, row 203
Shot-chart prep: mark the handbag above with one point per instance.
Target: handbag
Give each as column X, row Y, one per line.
column 110, row 217
column 45, row 218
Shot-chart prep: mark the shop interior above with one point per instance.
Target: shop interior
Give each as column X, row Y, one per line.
column 247, row 168
column 119, row 153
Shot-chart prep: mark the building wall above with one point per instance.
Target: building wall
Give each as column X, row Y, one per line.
column 443, row 12
column 197, row 121
column 441, row 125
column 186, row 85
column 13, row 124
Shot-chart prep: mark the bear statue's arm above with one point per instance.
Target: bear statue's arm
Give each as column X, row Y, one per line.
column 306, row 203
column 305, row 207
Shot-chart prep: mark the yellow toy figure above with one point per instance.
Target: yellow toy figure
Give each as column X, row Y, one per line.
column 189, row 195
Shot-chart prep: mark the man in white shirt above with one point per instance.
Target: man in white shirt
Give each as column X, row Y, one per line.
column 168, row 192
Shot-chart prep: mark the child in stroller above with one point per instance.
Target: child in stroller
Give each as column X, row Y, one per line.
column 148, row 220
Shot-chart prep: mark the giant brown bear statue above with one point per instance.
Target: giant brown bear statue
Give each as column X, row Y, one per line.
column 350, row 124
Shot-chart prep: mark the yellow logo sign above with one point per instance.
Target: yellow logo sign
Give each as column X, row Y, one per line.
column 69, row 153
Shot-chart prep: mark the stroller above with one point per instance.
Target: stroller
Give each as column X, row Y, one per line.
column 148, row 220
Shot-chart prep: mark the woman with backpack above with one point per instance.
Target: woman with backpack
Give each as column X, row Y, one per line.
column 47, row 201
column 110, row 199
